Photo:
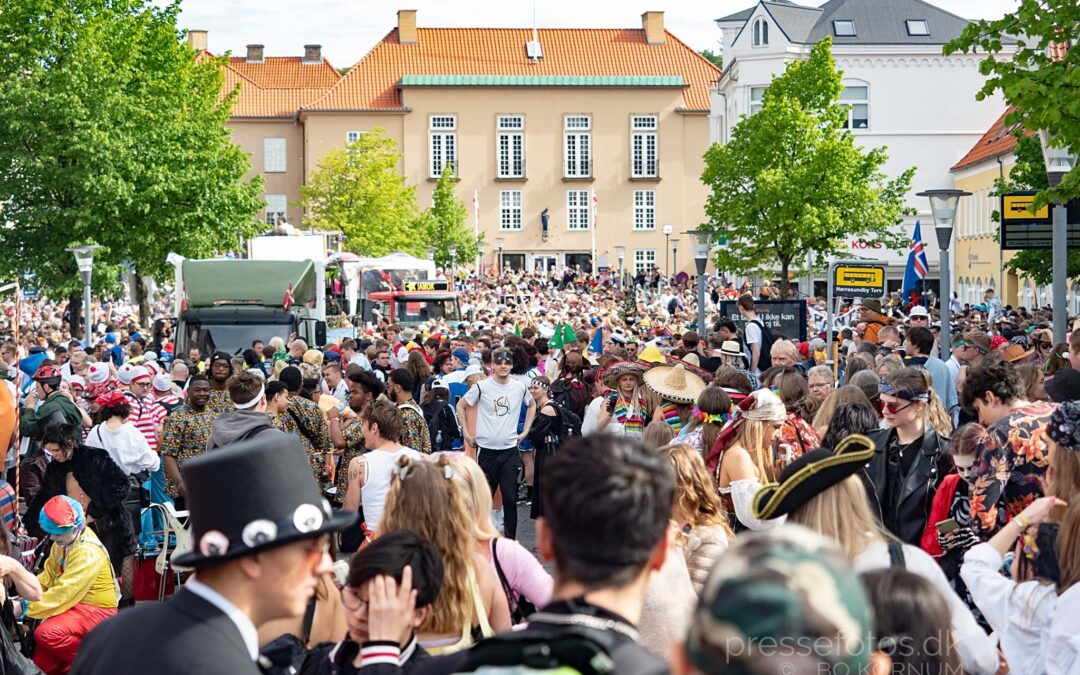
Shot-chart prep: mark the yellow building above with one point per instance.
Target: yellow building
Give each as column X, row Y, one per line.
column 569, row 142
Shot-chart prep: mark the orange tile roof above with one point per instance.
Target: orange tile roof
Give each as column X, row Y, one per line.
column 372, row 83
column 277, row 87
column 998, row 140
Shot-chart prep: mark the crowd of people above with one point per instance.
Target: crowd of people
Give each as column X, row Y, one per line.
column 704, row 499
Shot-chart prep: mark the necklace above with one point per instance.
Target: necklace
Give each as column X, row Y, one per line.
column 587, row 621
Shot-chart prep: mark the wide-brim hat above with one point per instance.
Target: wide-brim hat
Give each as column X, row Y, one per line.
column 1015, row 352
column 694, row 368
column 675, row 383
column 620, row 368
column 812, row 474
column 280, row 502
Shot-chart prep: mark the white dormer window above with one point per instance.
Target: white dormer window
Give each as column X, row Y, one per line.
column 761, row 33
column 917, row 27
column 843, row 28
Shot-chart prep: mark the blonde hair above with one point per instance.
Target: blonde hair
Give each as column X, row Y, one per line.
column 848, row 393
column 470, row 481
column 474, row 378
column 1064, row 474
column 936, row 415
column 657, row 434
column 694, row 492
column 434, row 509
column 751, row 436
column 1068, row 548
column 842, row 513
column 277, row 342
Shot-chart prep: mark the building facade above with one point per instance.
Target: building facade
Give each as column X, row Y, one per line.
column 569, row 146
column 902, row 93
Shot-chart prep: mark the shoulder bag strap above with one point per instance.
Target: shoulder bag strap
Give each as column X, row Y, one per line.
column 303, row 430
column 309, row 618
column 507, row 591
column 896, row 554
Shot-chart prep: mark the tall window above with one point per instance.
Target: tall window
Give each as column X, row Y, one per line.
column 577, row 135
column 644, row 209
column 757, row 98
column 643, row 161
column 761, row 33
column 577, row 210
column 442, row 138
column 273, row 155
column 511, row 143
column 510, row 209
column 275, row 208
column 644, row 260
column 857, row 101
column 353, row 136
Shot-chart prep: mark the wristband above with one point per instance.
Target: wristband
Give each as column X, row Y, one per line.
column 1022, row 521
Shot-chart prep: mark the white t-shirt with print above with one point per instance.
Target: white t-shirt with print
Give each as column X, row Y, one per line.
column 498, row 412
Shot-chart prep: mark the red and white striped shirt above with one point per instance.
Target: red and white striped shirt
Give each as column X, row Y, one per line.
column 147, row 416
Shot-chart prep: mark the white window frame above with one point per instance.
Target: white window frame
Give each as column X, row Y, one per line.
column 271, row 212
column 850, row 104
column 644, row 259
column 754, row 107
column 578, row 210
column 275, row 152
column 442, row 144
column 577, row 146
column 510, row 146
column 924, row 22
column 644, row 210
column 644, row 146
column 510, row 210
column 353, row 136
column 760, row 33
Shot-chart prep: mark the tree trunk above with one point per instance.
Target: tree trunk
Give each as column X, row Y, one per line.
column 75, row 315
column 785, row 265
column 144, row 301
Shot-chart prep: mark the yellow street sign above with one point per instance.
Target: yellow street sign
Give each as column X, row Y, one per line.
column 860, row 277
column 1017, row 208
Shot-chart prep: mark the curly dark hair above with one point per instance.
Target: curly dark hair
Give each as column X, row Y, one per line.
column 121, row 410
column 998, row 377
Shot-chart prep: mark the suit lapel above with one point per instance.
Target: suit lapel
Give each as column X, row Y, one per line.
column 206, row 614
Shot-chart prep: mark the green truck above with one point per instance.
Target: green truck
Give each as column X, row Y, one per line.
column 225, row 304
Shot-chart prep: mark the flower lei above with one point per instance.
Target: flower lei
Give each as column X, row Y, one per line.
column 706, row 418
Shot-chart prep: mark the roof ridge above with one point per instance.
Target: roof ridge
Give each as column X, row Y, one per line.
column 352, row 69
column 695, row 52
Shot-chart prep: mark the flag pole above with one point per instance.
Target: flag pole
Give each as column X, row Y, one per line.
column 476, row 225
column 592, row 230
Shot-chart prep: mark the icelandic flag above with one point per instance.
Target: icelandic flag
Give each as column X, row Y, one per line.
column 597, row 344
column 917, row 266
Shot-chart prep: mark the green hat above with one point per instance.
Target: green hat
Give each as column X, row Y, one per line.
column 784, row 600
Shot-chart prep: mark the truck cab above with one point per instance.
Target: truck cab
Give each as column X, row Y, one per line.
column 419, row 302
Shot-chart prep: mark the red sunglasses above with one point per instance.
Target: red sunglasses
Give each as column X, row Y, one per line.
column 892, row 408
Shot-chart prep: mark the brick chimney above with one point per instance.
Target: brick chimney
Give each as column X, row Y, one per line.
column 254, row 54
column 197, row 40
column 653, row 25
column 406, row 26
column 312, row 53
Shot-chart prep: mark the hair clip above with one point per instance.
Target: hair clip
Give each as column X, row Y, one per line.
column 448, row 472
column 402, row 471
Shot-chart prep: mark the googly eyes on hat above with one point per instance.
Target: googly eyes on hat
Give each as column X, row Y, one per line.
column 307, row 518
column 259, row 532
column 213, row 543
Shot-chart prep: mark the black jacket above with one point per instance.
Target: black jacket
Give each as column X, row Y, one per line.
column 319, row 661
column 930, row 467
column 181, row 636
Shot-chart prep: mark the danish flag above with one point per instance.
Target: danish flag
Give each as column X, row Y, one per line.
column 289, row 298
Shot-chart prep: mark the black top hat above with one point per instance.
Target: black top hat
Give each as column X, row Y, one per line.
column 252, row 496
column 812, row 474
column 1064, row 386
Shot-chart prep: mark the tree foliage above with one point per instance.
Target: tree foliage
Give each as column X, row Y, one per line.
column 360, row 191
column 1041, row 90
column 713, row 57
column 792, row 180
column 444, row 223
column 112, row 132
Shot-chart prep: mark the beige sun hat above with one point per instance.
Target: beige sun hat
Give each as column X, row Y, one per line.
column 675, row 383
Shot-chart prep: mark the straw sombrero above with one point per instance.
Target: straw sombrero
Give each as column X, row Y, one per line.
column 675, row 383
column 691, row 367
column 620, row 368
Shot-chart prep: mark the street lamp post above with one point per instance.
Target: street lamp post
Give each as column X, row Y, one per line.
column 1059, row 161
column 943, row 207
column 452, row 250
column 480, row 253
column 620, row 253
column 501, row 243
column 84, row 259
column 702, row 242
column 667, row 249
column 674, row 257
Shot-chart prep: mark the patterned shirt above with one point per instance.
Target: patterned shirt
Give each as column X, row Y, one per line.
column 414, row 430
column 184, row 437
column 669, row 412
column 1009, row 470
column 302, row 411
column 354, row 447
column 795, row 438
column 219, row 402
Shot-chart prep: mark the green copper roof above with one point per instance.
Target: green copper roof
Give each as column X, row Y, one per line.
column 542, row 81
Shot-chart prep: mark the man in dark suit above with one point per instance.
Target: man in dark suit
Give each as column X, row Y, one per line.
column 261, row 540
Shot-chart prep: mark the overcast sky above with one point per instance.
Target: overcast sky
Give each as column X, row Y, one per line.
column 348, row 29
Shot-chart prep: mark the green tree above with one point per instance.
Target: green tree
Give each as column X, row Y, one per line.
column 1029, row 173
column 112, row 132
column 792, row 179
column 1041, row 88
column 713, row 57
column 444, row 223
column 360, row 191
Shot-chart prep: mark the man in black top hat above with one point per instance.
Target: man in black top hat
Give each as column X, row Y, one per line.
column 258, row 552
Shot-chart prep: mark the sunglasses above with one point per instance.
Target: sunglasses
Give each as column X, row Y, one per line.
column 892, row 408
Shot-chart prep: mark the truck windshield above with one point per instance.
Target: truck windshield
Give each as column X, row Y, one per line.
column 411, row 312
column 233, row 338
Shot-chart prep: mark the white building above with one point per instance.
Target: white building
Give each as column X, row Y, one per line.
column 903, row 93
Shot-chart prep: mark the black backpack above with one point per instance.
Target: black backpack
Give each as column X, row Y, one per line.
column 442, row 427
column 569, row 423
column 571, row 394
column 767, row 339
column 571, row 649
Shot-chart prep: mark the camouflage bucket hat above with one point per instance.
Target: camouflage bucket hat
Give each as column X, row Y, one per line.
column 784, row 600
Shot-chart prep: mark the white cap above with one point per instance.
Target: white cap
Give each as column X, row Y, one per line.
column 438, row 384
column 152, row 367
column 77, row 380
column 150, row 356
column 162, row 382
column 126, row 373
column 98, row 372
column 918, row 310
column 138, row 373
column 474, row 370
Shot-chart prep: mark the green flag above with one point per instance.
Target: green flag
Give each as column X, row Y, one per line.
column 517, row 329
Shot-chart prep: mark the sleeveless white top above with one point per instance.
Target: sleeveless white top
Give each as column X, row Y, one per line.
column 378, row 467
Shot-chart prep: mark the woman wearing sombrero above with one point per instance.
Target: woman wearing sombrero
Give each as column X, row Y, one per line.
column 677, row 390
column 626, row 411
